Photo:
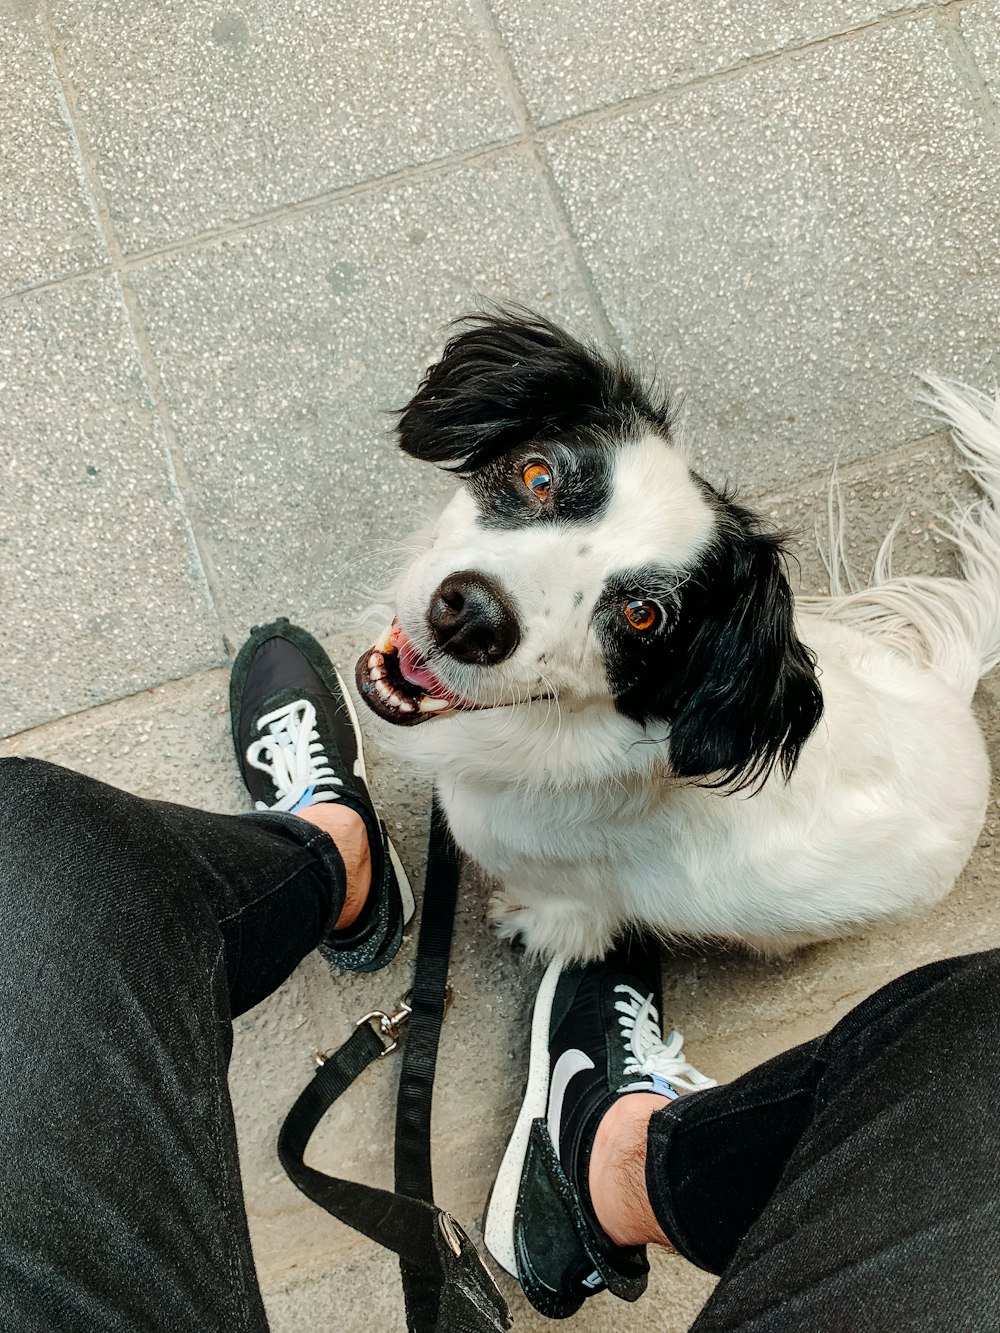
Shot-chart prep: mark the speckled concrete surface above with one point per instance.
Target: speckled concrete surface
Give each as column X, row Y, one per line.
column 95, row 541
column 762, row 238
column 247, row 226
column 227, row 111
column 979, row 28
column 47, row 223
column 580, row 56
column 283, row 421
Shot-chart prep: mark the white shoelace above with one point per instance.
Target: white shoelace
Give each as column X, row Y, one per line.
column 649, row 1055
column 292, row 756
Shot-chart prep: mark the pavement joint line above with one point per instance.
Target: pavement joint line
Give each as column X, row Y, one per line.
column 92, row 712
column 511, row 85
column 504, row 65
column 855, row 470
column 80, row 158
column 598, row 312
column 58, row 280
column 969, row 72
column 530, row 138
column 201, row 563
column 178, row 475
column 674, row 91
column 437, row 166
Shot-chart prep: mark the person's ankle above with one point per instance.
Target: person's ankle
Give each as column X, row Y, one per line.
column 347, row 829
column 617, row 1171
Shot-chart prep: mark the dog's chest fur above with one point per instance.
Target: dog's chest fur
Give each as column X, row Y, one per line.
column 886, row 804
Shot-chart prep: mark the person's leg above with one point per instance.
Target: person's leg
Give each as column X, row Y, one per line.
column 132, row 931
column 850, row 1184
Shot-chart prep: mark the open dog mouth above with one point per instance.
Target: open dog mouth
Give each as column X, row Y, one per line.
column 395, row 681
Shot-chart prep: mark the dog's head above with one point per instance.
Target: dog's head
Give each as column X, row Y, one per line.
column 583, row 562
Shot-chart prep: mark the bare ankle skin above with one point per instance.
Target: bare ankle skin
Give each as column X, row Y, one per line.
column 617, row 1176
column 347, row 830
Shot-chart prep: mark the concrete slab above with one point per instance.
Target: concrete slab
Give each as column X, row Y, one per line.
column 919, row 487
column 283, row 350
column 99, row 586
column 579, row 55
column 201, row 113
column 979, row 26
column 47, row 225
column 793, row 245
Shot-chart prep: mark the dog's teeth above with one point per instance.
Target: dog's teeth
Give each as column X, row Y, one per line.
column 376, row 673
column 375, row 660
column 406, row 707
column 428, row 705
column 383, row 689
column 396, row 701
column 385, row 643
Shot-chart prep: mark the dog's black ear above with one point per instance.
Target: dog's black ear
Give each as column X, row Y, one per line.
column 511, row 377
column 745, row 693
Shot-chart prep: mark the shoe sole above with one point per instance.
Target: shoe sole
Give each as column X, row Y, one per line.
column 498, row 1225
column 402, row 879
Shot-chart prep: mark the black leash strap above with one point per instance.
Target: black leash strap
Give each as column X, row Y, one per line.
column 446, row 1286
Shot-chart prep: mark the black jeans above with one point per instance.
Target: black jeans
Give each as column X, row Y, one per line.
column 849, row 1185
column 131, row 933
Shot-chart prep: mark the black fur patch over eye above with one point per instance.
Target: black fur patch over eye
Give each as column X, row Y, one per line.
column 731, row 677
column 512, row 378
column 636, row 662
column 580, row 488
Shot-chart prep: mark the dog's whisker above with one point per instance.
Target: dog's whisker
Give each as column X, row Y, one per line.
column 552, row 702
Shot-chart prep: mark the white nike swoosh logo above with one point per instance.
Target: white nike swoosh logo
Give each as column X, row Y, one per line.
column 569, row 1064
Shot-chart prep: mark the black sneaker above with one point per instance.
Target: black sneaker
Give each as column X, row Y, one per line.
column 595, row 1036
column 298, row 743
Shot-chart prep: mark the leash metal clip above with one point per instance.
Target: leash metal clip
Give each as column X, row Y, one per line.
column 388, row 1025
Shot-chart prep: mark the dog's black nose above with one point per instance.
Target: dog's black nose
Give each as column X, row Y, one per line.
column 473, row 620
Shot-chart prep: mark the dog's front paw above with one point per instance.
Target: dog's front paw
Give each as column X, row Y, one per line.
column 571, row 931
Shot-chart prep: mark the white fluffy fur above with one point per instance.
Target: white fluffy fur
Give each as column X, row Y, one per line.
column 573, row 807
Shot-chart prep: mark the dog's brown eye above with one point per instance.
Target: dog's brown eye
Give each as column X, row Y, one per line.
column 641, row 615
column 538, row 479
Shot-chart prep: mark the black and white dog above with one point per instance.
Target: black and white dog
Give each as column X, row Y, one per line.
column 627, row 716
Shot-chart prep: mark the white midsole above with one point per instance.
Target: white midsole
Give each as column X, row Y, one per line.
column 498, row 1228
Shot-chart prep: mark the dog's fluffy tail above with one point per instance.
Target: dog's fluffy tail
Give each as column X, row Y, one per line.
column 949, row 624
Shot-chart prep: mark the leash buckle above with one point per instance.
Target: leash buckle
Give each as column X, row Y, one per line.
column 389, row 1026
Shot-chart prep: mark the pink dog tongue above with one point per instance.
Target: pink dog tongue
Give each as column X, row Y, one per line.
column 413, row 670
